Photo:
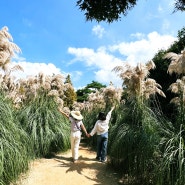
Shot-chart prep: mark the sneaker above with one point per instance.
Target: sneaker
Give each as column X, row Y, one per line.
column 103, row 160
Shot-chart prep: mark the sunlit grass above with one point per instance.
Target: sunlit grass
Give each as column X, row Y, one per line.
column 46, row 126
column 15, row 151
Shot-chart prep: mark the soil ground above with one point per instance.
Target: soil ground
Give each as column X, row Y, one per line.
column 60, row 170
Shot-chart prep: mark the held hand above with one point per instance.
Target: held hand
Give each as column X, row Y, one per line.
column 88, row 135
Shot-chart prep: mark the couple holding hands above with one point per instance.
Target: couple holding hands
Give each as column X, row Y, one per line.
column 100, row 128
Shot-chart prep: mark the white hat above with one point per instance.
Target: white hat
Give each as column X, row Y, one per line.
column 77, row 115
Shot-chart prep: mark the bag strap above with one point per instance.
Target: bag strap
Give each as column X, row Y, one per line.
column 77, row 126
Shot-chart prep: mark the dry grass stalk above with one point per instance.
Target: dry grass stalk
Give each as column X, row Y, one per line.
column 105, row 96
column 28, row 89
column 136, row 82
column 96, row 100
column 78, row 106
column 178, row 88
column 7, row 48
column 177, row 64
column 112, row 95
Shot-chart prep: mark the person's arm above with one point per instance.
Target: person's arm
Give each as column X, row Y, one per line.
column 109, row 114
column 66, row 115
column 94, row 130
column 84, row 129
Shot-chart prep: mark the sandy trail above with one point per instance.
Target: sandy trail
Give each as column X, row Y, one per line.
column 59, row 170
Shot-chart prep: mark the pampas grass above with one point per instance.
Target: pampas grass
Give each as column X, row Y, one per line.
column 48, row 129
column 15, row 148
column 134, row 137
column 177, row 64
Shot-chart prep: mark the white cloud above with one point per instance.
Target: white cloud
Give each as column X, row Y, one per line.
column 98, row 31
column 32, row 69
column 143, row 50
column 100, row 60
column 104, row 59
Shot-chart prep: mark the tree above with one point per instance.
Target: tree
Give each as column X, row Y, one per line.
column 82, row 94
column 68, row 79
column 105, row 10
column 95, row 85
column 110, row 10
column 180, row 5
column 69, row 94
column 164, row 79
column 178, row 45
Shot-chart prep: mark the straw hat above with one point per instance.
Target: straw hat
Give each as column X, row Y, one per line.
column 76, row 115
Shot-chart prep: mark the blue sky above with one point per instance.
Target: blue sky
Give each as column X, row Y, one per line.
column 55, row 37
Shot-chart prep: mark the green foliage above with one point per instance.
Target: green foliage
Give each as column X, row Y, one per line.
column 105, row 10
column 172, row 160
column 46, row 126
column 15, row 148
column 109, row 11
column 165, row 80
column 180, row 5
column 82, row 94
column 133, row 140
column 95, row 85
column 178, row 45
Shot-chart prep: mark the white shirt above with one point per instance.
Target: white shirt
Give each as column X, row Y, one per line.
column 100, row 126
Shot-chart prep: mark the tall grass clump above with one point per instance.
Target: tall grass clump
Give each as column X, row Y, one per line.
column 133, row 138
column 133, row 143
column 172, row 169
column 40, row 99
column 46, row 126
column 14, row 145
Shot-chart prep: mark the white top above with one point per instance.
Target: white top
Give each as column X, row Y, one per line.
column 100, row 126
column 75, row 124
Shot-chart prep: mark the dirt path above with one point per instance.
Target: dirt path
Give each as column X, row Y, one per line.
column 59, row 170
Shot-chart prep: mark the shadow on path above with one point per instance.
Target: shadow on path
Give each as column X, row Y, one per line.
column 99, row 173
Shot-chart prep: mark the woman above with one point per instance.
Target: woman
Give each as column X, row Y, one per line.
column 101, row 128
column 75, row 118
